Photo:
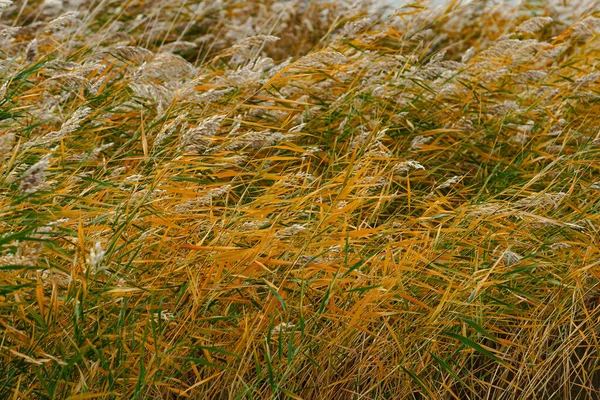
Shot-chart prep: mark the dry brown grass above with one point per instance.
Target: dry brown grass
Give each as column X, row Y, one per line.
column 398, row 207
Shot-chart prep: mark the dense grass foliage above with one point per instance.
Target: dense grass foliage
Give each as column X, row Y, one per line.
column 299, row 199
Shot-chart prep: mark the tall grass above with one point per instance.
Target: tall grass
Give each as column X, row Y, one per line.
column 244, row 199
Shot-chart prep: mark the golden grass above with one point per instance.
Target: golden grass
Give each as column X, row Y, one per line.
column 370, row 206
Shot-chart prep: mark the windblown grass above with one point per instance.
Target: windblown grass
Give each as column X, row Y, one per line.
column 299, row 199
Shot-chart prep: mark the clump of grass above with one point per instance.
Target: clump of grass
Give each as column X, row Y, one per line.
column 298, row 199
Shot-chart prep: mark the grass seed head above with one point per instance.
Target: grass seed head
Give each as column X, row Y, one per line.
column 31, row 51
column 35, row 176
column 534, row 24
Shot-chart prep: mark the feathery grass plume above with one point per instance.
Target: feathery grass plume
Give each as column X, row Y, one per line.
column 586, row 28
column 255, row 140
column 364, row 135
column 96, row 258
column 353, row 27
column 133, row 53
column 69, row 18
column 510, row 257
column 253, row 225
column 533, row 75
column 419, row 141
column 72, row 79
column 282, row 327
column 544, row 200
column 133, row 179
column 449, row 182
column 506, row 107
column 35, row 175
column 179, row 45
column 158, row 94
column 168, row 130
column 292, row 230
column 31, row 51
column 243, row 77
column 201, row 201
column 198, row 139
column 468, row 54
column 73, row 123
column 95, row 87
column 533, row 25
column 245, row 46
column 586, row 80
column 320, row 59
column 91, row 155
column 166, row 66
column 146, row 195
column 214, row 95
column 404, row 167
column 68, row 127
column 249, row 42
column 164, row 315
column 425, row 35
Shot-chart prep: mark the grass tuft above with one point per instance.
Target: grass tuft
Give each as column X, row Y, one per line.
column 305, row 199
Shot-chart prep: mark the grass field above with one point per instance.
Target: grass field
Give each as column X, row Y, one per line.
column 299, row 199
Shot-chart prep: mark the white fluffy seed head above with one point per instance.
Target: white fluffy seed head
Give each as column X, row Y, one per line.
column 95, row 259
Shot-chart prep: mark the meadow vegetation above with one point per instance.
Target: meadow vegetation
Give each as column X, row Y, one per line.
column 299, row 199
